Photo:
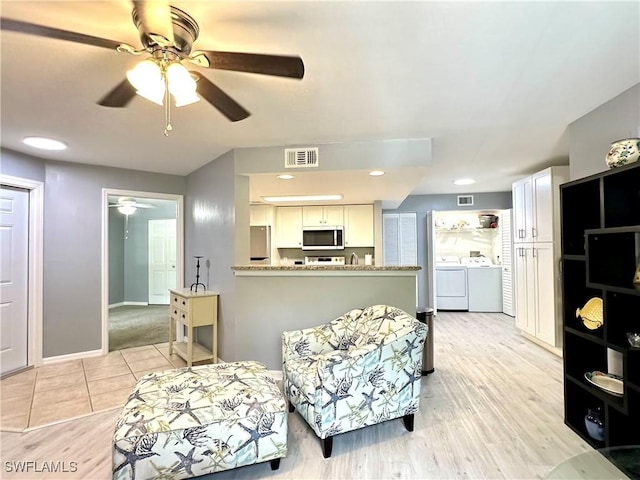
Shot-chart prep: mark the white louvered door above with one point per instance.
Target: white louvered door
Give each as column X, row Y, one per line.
column 508, row 306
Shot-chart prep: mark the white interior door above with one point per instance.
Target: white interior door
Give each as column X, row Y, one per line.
column 507, row 264
column 162, row 260
column 14, row 264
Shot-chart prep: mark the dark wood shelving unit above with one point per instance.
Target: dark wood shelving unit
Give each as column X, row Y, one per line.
column 600, row 251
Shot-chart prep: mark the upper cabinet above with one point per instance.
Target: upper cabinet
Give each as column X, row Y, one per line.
column 260, row 215
column 358, row 226
column 320, row 216
column 536, row 206
column 289, row 227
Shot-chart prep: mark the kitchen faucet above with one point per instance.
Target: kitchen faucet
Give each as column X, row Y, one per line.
column 354, row 259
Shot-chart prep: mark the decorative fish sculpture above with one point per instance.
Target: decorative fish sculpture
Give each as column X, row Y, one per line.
column 591, row 313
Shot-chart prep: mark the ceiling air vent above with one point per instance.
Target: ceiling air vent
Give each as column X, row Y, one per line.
column 465, row 200
column 300, row 157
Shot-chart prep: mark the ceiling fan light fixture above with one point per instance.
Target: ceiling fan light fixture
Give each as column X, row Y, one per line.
column 127, row 209
column 145, row 73
column 181, row 85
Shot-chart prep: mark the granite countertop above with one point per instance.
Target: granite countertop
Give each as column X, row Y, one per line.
column 351, row 268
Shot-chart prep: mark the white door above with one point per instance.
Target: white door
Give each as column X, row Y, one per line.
column 525, row 290
column 14, row 264
column 545, row 292
column 507, row 264
column 542, row 228
column 431, row 262
column 162, row 260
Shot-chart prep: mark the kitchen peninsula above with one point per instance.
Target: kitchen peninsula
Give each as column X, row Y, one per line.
column 282, row 298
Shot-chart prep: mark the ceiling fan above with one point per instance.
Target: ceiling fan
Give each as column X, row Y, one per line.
column 128, row 206
column 167, row 35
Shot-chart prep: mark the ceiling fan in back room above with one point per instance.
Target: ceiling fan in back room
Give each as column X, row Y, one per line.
column 167, row 35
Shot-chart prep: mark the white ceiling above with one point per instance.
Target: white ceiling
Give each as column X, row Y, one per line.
column 494, row 84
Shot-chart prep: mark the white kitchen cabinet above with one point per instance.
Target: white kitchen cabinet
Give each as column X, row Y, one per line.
column 320, row 216
column 536, row 206
column 289, row 227
column 260, row 215
column 537, row 294
column 358, row 226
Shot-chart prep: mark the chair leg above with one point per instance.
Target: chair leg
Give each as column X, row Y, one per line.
column 291, row 408
column 327, row 446
column 408, row 422
column 275, row 464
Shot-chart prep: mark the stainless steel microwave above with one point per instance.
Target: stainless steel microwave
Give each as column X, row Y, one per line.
column 323, row 238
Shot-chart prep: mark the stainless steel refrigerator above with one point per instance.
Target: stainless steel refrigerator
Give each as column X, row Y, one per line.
column 260, row 245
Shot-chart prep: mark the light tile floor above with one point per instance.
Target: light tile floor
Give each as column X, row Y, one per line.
column 60, row 391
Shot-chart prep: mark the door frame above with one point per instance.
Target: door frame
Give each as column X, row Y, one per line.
column 106, row 192
column 36, row 262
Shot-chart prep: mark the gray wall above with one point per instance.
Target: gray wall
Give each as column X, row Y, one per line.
column 116, row 257
column 421, row 204
column 263, row 314
column 591, row 136
column 210, row 226
column 341, row 156
column 72, row 315
column 20, row 165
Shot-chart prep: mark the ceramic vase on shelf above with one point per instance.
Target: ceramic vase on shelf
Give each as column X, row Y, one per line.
column 594, row 423
column 623, row 152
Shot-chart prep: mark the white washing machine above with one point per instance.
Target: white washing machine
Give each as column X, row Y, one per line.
column 485, row 284
column 451, row 284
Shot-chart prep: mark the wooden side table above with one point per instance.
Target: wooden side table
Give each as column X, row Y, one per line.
column 193, row 309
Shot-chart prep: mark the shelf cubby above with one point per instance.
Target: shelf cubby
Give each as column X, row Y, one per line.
column 576, row 294
column 583, row 201
column 621, row 190
column 622, row 315
column 582, row 355
column 612, row 257
column 581, row 403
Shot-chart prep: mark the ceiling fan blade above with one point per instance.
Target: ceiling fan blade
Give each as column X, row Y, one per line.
column 278, row 65
column 12, row 25
column 220, row 100
column 153, row 19
column 120, row 96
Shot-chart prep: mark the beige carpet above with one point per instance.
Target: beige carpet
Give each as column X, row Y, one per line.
column 134, row 326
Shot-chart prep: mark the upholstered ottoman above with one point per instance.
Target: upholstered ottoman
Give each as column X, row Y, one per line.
column 196, row 420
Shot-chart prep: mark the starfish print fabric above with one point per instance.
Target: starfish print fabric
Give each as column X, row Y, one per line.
column 193, row 421
column 360, row 369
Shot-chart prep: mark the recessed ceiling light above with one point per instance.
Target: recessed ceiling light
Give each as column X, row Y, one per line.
column 301, row 198
column 286, row 176
column 44, row 143
column 464, row 181
column 376, row 173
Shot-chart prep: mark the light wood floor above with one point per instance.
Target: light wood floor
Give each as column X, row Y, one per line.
column 492, row 409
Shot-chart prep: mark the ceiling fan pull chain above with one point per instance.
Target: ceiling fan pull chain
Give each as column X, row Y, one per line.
column 167, row 112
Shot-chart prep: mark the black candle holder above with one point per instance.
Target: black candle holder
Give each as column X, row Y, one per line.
column 198, row 257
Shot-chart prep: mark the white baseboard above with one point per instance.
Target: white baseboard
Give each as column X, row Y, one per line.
column 555, row 350
column 123, row 304
column 71, row 356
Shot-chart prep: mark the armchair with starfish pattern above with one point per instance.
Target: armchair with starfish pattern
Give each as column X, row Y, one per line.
column 360, row 369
